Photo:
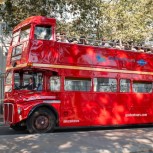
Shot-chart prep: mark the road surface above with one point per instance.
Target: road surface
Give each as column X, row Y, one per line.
column 97, row 140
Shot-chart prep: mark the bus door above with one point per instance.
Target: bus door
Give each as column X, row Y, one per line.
column 76, row 99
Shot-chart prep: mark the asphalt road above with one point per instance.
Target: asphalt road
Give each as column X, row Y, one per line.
column 87, row 140
column 6, row 130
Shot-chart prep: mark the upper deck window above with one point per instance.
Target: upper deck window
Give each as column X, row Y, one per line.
column 43, row 32
column 15, row 38
column 17, row 50
column 25, row 33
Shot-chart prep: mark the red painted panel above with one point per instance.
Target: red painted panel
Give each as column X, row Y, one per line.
column 76, row 109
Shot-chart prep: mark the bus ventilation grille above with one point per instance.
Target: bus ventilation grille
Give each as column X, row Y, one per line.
column 8, row 112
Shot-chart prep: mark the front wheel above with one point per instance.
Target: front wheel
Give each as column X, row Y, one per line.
column 41, row 121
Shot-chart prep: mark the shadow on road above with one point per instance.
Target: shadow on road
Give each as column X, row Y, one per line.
column 6, row 130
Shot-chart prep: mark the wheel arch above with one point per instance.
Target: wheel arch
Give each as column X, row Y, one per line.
column 51, row 108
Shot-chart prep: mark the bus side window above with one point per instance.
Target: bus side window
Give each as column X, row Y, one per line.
column 77, row 84
column 124, row 85
column 55, row 83
column 142, row 87
column 105, row 85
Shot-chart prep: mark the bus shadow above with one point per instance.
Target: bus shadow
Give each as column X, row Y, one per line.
column 6, row 130
column 83, row 129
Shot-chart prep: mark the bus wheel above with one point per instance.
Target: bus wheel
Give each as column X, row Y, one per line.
column 17, row 127
column 41, row 121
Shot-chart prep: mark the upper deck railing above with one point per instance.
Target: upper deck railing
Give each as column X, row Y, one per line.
column 115, row 45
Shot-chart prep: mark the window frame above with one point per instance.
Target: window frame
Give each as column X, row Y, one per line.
column 142, row 81
column 24, row 76
column 95, row 85
column 77, row 79
column 9, row 81
column 129, row 85
column 15, row 34
column 44, row 26
column 27, row 27
column 15, row 50
column 59, row 87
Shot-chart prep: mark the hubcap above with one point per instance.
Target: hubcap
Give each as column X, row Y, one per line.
column 41, row 122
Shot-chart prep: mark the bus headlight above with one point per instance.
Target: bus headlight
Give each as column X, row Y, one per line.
column 19, row 110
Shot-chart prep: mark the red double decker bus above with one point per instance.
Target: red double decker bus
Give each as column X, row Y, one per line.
column 54, row 84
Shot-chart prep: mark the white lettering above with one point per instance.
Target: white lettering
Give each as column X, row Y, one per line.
column 71, row 121
column 136, row 115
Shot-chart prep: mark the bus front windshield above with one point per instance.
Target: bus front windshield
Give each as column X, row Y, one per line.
column 43, row 32
column 28, row 81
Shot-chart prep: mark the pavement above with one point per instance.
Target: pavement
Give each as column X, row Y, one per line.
column 137, row 140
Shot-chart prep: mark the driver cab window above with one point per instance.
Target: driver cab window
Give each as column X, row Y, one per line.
column 28, row 81
column 9, row 78
column 8, row 82
column 43, row 32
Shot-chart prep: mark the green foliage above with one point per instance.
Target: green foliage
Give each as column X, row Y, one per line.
column 14, row 12
column 127, row 20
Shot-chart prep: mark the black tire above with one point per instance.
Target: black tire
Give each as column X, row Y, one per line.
column 41, row 121
column 18, row 127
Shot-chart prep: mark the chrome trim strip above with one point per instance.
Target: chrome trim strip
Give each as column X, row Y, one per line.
column 90, row 69
column 52, row 101
column 8, row 113
column 82, row 68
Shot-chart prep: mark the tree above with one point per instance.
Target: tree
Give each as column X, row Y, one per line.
column 126, row 20
column 14, row 12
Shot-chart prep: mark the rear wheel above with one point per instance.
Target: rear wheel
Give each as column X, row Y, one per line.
column 41, row 121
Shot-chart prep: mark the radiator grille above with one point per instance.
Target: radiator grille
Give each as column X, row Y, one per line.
column 8, row 112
